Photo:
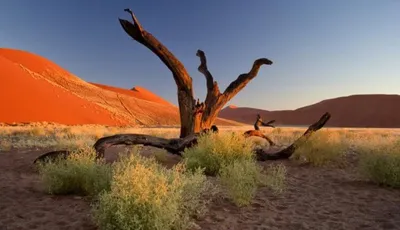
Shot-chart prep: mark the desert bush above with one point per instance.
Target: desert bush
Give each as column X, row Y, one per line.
column 324, row 147
column 215, row 150
column 277, row 131
column 275, row 178
column 161, row 155
column 37, row 131
column 381, row 163
column 146, row 195
column 5, row 145
column 242, row 178
column 80, row 174
column 285, row 136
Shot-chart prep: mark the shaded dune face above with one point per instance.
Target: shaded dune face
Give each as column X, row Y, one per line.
column 35, row 89
column 375, row 110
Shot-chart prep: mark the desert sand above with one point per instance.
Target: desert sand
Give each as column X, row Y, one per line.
column 35, row 89
column 137, row 92
column 373, row 111
column 315, row 198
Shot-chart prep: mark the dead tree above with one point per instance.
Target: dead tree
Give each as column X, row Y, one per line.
column 259, row 122
column 178, row 145
column 194, row 117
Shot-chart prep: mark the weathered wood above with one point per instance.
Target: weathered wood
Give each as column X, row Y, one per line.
column 178, row 145
column 213, row 96
column 244, row 79
column 259, row 122
column 173, row 146
column 53, row 155
column 215, row 100
column 179, row 73
column 269, row 123
column 286, row 153
column 194, row 117
column 258, row 133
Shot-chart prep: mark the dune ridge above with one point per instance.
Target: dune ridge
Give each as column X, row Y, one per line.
column 368, row 110
column 137, row 92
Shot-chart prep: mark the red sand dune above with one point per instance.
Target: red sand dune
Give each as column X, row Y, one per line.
column 25, row 98
column 137, row 92
column 377, row 110
column 34, row 89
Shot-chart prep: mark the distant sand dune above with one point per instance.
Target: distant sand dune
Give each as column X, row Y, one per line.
column 373, row 111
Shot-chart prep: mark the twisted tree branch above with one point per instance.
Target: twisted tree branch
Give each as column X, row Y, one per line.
column 211, row 84
column 182, row 79
column 244, row 78
column 258, row 133
column 138, row 33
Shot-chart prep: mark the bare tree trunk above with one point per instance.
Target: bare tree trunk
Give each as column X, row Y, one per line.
column 194, row 116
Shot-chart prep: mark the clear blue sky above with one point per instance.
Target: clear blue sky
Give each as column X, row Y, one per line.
column 321, row 49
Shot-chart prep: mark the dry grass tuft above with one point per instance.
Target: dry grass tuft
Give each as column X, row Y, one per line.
column 323, row 148
column 79, row 174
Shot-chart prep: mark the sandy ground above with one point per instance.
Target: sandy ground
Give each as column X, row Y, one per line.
column 316, row 198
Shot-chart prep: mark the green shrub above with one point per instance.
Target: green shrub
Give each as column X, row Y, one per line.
column 79, row 174
column 241, row 180
column 323, row 148
column 215, row 150
column 275, row 178
column 146, row 195
column 161, row 155
column 381, row 163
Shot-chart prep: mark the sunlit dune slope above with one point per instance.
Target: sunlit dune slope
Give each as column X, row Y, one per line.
column 26, row 98
column 34, row 89
column 137, row 92
column 120, row 108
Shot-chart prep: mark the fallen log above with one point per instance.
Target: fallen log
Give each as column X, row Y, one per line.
column 62, row 154
column 287, row 152
column 173, row 146
column 178, row 145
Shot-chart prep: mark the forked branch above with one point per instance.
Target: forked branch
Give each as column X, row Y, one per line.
column 244, row 78
column 211, row 84
column 213, row 93
column 134, row 19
